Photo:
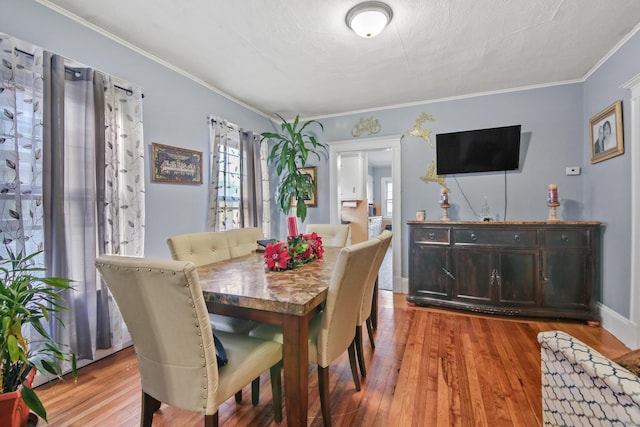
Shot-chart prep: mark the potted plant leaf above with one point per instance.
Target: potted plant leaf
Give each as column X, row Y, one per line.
column 289, row 153
column 27, row 299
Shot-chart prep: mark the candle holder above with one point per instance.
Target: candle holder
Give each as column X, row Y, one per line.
column 553, row 203
column 553, row 216
column 444, row 204
column 445, row 212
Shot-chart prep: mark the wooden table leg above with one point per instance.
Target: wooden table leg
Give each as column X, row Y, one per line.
column 295, row 353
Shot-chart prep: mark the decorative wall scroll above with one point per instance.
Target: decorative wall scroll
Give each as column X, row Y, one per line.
column 370, row 125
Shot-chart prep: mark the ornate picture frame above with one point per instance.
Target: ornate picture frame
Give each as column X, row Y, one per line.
column 607, row 134
column 175, row 165
column 311, row 202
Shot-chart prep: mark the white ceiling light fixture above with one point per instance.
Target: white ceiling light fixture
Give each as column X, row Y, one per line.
column 368, row 19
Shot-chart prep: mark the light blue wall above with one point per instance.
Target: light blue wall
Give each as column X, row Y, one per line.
column 552, row 128
column 608, row 183
column 554, row 124
column 175, row 109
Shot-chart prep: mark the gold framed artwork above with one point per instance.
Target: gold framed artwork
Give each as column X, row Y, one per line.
column 177, row 165
column 313, row 200
column 607, row 134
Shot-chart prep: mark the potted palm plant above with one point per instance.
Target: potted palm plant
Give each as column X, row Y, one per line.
column 27, row 298
column 288, row 154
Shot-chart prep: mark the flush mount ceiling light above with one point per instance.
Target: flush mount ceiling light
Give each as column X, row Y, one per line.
column 368, row 19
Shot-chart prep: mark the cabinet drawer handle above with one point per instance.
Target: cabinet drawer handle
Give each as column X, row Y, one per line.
column 516, row 237
column 432, row 236
column 474, row 237
column 564, row 238
column 448, row 273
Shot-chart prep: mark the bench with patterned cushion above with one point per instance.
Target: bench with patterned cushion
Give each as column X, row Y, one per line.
column 582, row 387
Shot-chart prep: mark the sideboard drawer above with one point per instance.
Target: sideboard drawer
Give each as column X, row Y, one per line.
column 427, row 235
column 487, row 236
column 566, row 238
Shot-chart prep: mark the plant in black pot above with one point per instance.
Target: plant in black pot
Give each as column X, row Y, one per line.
column 27, row 299
column 289, row 153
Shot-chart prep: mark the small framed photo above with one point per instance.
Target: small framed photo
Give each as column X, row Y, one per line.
column 309, row 201
column 607, row 134
column 177, row 165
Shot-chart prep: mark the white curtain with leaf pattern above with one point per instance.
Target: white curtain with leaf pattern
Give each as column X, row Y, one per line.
column 71, row 181
column 239, row 181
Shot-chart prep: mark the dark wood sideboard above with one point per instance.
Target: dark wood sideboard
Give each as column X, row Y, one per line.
column 535, row 269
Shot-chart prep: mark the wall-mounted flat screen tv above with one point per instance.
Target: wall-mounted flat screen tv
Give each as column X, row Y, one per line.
column 482, row 150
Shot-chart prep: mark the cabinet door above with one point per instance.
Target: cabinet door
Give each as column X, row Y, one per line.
column 475, row 275
column 429, row 272
column 566, row 279
column 517, row 277
column 350, row 178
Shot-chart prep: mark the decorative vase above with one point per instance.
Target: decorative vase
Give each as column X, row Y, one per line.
column 13, row 411
column 292, row 223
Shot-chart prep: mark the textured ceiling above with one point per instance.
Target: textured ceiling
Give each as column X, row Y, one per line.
column 298, row 57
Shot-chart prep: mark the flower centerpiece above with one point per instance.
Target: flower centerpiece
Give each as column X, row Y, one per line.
column 297, row 250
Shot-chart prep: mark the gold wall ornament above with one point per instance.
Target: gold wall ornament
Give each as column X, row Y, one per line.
column 418, row 131
column 366, row 125
column 431, row 176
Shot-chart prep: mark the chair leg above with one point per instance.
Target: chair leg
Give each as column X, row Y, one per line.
column 370, row 332
column 276, row 391
column 149, row 406
column 211, row 420
column 359, row 352
column 255, row 391
column 374, row 305
column 325, row 401
column 239, row 396
column 354, row 368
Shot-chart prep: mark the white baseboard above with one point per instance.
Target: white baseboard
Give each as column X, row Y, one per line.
column 623, row 329
column 401, row 285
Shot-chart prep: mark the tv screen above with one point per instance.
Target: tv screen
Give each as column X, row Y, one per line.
column 483, row 150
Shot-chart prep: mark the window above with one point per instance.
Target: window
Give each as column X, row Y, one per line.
column 387, row 197
column 229, row 182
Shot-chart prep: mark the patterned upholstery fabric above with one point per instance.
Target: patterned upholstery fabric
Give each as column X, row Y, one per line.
column 581, row 387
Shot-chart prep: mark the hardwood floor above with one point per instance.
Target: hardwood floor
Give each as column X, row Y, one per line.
column 429, row 368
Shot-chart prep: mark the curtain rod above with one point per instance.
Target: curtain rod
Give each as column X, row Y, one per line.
column 23, row 52
column 70, row 69
column 228, row 124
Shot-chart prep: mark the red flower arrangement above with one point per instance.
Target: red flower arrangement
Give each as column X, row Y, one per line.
column 297, row 250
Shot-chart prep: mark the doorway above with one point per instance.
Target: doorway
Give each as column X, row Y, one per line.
column 391, row 143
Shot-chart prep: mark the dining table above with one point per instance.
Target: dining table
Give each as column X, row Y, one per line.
column 243, row 287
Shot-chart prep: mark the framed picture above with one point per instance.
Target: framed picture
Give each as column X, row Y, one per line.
column 310, row 201
column 607, row 135
column 177, row 165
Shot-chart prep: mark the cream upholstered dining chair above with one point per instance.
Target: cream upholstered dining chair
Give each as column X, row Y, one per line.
column 333, row 235
column 202, row 249
column 243, row 241
column 332, row 331
column 199, row 248
column 364, row 315
column 162, row 305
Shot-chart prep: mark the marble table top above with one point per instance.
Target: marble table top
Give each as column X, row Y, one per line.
column 245, row 282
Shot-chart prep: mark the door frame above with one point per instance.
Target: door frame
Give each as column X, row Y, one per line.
column 369, row 144
column 634, row 309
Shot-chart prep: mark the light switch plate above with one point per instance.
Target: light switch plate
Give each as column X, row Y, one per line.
column 573, row 170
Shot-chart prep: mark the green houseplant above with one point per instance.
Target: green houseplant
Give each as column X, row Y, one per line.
column 27, row 298
column 289, row 153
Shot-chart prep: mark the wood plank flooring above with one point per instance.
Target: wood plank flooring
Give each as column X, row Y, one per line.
column 429, row 368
